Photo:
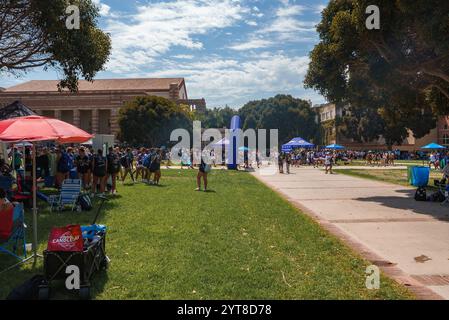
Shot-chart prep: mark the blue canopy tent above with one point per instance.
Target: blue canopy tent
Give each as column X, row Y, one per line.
column 295, row 144
column 433, row 146
column 335, row 147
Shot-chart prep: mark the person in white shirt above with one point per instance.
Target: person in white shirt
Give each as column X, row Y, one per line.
column 328, row 163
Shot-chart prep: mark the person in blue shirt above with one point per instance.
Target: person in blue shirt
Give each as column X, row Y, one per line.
column 63, row 166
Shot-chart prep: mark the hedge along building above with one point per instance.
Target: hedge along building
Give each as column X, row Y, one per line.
column 95, row 107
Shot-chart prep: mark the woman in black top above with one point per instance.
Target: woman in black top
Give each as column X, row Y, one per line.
column 155, row 166
column 82, row 163
column 99, row 165
column 202, row 174
column 43, row 162
column 126, row 160
column 113, row 168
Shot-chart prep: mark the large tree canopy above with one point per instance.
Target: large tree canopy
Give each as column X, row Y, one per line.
column 292, row 117
column 149, row 121
column 217, row 117
column 33, row 33
column 398, row 74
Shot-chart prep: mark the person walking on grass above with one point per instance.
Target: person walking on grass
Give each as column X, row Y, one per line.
column 281, row 163
column 63, row 166
column 113, row 168
column 140, row 169
column 204, row 169
column 83, row 167
column 148, row 160
column 99, row 170
column 126, row 161
column 155, row 167
column 328, row 163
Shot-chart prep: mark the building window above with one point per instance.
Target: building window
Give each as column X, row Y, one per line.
column 446, row 139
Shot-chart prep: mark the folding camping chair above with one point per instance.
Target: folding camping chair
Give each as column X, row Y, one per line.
column 70, row 192
column 21, row 194
column 12, row 232
column 443, row 188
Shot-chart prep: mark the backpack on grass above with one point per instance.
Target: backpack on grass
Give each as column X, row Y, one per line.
column 420, row 194
column 85, row 202
column 29, row 290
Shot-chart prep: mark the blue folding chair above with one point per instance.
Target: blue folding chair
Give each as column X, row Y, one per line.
column 70, row 192
column 13, row 239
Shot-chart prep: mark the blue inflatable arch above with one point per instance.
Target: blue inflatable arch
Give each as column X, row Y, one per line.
column 233, row 143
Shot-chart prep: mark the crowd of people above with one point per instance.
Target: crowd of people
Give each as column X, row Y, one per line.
column 99, row 170
column 329, row 158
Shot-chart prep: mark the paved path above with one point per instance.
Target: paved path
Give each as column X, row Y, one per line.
column 409, row 240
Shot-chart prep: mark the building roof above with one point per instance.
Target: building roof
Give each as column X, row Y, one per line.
column 144, row 84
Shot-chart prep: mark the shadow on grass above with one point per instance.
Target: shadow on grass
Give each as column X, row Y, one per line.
column 157, row 185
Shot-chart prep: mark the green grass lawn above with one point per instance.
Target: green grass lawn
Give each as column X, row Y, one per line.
column 238, row 241
column 395, row 176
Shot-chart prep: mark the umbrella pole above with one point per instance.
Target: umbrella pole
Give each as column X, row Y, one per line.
column 34, row 205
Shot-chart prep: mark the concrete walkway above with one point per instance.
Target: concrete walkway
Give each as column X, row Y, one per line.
column 409, row 240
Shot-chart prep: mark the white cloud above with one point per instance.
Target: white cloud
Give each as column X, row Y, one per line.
column 319, row 8
column 286, row 26
column 184, row 56
column 104, row 8
column 290, row 10
column 251, row 44
column 235, row 83
column 158, row 27
column 251, row 23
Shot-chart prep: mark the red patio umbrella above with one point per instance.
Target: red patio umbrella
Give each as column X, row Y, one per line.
column 36, row 128
column 33, row 129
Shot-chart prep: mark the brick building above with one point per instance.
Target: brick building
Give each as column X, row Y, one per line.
column 94, row 108
column 327, row 114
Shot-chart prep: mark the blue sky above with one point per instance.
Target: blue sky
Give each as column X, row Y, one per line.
column 229, row 51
